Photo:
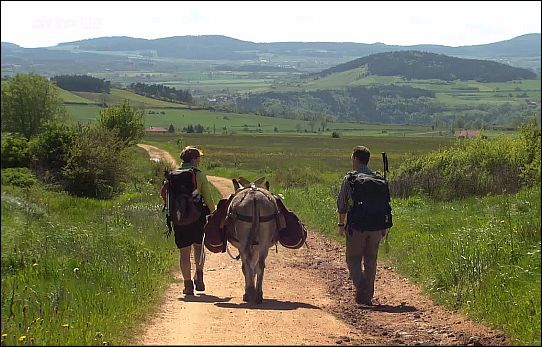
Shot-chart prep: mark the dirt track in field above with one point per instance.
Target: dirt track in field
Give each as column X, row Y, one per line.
column 308, row 300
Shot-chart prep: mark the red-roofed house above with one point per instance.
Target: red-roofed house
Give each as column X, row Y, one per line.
column 467, row 133
column 156, row 130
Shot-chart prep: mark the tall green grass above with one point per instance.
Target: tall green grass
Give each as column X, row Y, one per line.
column 79, row 271
column 479, row 255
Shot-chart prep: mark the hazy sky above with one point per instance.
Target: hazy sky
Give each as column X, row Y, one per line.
column 450, row 23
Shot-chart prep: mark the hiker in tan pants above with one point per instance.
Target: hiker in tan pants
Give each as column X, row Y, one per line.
column 361, row 246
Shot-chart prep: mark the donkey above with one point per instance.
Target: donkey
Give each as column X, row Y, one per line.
column 254, row 221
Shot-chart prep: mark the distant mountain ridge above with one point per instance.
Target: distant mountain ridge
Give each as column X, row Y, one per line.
column 215, row 52
column 187, row 46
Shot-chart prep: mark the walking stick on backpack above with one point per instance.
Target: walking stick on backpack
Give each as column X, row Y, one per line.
column 166, row 208
column 385, row 162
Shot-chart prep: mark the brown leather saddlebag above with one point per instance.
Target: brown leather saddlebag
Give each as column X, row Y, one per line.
column 215, row 236
column 295, row 234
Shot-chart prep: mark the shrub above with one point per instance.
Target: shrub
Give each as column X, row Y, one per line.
column 335, row 135
column 95, row 165
column 14, row 150
column 473, row 167
column 160, row 167
column 49, row 150
column 20, row 176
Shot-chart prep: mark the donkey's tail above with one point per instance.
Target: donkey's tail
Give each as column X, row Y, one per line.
column 255, row 222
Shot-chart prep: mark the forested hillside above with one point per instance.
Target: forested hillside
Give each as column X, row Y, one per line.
column 423, row 65
column 387, row 104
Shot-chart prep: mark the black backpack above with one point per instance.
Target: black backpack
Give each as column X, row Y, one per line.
column 371, row 195
column 182, row 199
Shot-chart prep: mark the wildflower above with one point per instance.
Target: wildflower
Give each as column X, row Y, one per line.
column 75, row 269
column 22, row 338
column 66, row 325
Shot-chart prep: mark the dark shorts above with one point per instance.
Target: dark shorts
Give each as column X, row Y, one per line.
column 187, row 235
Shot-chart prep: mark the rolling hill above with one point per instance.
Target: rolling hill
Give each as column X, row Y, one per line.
column 406, row 87
column 424, row 65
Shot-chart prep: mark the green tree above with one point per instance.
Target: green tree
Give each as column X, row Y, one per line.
column 127, row 121
column 29, row 102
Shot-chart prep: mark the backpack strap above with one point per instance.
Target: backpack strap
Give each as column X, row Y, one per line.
column 193, row 171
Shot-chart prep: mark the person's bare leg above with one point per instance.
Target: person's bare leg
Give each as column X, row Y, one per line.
column 185, row 265
column 198, row 278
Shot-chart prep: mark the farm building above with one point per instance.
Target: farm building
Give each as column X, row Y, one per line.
column 467, row 133
column 156, row 130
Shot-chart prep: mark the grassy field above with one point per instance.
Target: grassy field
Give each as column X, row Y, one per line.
column 117, row 96
column 267, row 152
column 163, row 114
column 71, row 97
column 224, row 122
column 83, row 271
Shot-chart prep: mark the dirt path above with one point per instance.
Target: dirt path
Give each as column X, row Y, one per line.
column 308, row 300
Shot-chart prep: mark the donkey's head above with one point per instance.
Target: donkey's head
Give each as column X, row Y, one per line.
column 242, row 183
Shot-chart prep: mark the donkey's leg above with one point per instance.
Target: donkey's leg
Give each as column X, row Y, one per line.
column 260, row 267
column 249, row 276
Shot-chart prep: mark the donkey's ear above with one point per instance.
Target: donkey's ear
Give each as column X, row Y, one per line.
column 259, row 181
column 235, row 184
column 244, row 182
column 267, row 185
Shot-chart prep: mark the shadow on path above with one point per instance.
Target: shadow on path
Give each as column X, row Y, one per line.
column 203, row 298
column 270, row 304
column 389, row 308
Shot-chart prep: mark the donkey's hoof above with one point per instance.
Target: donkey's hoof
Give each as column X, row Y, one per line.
column 246, row 297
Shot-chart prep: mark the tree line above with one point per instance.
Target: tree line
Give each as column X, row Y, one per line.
column 159, row 91
column 82, row 83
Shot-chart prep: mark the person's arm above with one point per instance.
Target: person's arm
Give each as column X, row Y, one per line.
column 342, row 207
column 205, row 191
column 163, row 191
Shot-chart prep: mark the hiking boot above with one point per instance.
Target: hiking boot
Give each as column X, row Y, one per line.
column 198, row 281
column 188, row 287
